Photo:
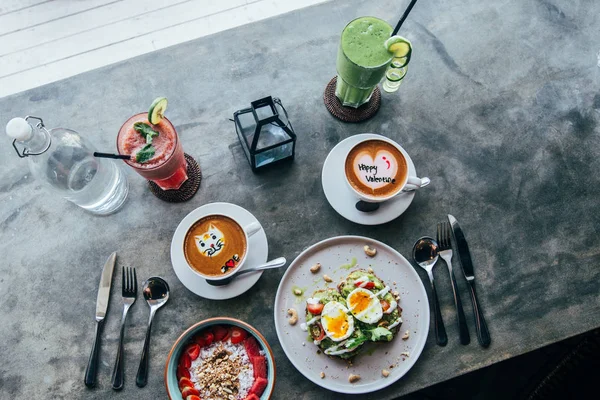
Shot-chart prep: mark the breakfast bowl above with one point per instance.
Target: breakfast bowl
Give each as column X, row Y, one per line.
column 220, row 358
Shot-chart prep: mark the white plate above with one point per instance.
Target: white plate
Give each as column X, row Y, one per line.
column 343, row 200
column 258, row 251
column 395, row 271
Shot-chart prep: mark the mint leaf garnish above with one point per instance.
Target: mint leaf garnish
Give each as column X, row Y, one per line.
column 145, row 154
column 145, row 130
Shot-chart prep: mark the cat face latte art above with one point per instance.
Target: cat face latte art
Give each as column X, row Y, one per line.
column 215, row 245
column 376, row 169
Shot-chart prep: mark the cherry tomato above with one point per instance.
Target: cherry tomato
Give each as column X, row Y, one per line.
column 238, row 335
column 368, row 285
column 385, row 305
column 315, row 309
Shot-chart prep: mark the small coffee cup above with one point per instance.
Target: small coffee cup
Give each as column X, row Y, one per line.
column 216, row 245
column 376, row 170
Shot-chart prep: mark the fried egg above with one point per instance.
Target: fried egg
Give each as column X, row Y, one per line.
column 365, row 306
column 336, row 322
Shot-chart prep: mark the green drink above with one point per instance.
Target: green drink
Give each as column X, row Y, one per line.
column 362, row 59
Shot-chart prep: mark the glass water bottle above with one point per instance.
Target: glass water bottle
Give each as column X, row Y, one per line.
column 65, row 162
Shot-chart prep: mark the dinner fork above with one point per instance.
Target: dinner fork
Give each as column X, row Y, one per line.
column 445, row 251
column 129, row 291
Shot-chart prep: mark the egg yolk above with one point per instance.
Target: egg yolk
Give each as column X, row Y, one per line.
column 337, row 324
column 359, row 302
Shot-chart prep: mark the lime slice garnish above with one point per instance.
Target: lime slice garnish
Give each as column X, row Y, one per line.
column 157, row 110
column 401, row 48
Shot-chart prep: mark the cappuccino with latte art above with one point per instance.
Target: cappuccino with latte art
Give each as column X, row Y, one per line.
column 376, row 169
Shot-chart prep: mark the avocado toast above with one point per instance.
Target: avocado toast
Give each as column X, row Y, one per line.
column 361, row 309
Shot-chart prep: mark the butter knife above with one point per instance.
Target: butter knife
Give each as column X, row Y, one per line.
column 101, row 307
column 464, row 255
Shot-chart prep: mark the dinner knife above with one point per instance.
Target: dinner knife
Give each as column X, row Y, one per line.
column 101, row 307
column 464, row 255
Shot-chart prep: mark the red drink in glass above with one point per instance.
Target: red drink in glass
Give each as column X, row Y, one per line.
column 167, row 168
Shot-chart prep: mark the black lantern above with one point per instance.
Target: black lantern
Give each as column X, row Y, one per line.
column 265, row 132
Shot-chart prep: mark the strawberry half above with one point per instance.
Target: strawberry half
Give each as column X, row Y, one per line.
column 194, row 397
column 185, row 360
column 260, row 366
column 183, row 372
column 183, row 382
column 189, row 391
column 259, row 386
column 252, row 347
column 220, row 332
column 193, row 350
column 252, row 397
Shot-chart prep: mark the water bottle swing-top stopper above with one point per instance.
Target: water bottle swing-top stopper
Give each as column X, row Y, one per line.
column 19, row 129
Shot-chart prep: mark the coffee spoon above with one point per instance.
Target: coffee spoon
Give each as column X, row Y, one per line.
column 425, row 254
column 276, row 263
column 156, row 293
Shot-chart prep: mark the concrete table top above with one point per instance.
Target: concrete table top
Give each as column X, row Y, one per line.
column 500, row 108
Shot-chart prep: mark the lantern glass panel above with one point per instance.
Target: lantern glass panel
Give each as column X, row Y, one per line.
column 271, row 134
column 248, row 125
column 264, row 112
column 276, row 154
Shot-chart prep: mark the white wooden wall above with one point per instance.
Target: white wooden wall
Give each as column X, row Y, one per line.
column 42, row 41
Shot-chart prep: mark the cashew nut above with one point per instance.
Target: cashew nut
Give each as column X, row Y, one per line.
column 370, row 270
column 322, row 375
column 406, row 335
column 385, row 372
column 370, row 251
column 353, row 378
column 327, row 278
column 315, row 268
column 293, row 316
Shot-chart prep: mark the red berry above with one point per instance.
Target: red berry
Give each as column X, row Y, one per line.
column 193, row 350
column 220, row 332
column 189, row 391
column 185, row 360
column 259, row 363
column 208, row 338
column 252, row 347
column 183, row 372
column 238, row 335
column 252, row 397
column 199, row 340
column 259, row 386
column 183, row 382
column 193, row 397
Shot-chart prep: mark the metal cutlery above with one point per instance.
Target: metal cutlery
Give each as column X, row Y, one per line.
column 483, row 335
column 156, row 293
column 129, row 293
column 425, row 255
column 445, row 251
column 276, row 263
column 101, row 308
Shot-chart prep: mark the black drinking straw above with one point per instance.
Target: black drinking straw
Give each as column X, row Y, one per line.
column 109, row 155
column 410, row 6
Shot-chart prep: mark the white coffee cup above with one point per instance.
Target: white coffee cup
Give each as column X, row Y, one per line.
column 405, row 184
column 248, row 231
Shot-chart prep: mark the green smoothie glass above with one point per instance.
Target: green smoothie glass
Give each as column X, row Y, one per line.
column 362, row 60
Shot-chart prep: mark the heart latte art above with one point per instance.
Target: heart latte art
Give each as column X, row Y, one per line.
column 376, row 168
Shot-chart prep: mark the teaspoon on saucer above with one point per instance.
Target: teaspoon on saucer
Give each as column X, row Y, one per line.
column 276, row 263
column 425, row 254
column 156, row 293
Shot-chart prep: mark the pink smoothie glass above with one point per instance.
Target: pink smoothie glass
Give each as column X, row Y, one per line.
column 168, row 167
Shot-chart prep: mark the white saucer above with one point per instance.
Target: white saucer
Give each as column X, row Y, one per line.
column 257, row 254
column 343, row 200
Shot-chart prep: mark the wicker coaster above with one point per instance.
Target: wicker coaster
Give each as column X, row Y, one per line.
column 187, row 190
column 350, row 114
